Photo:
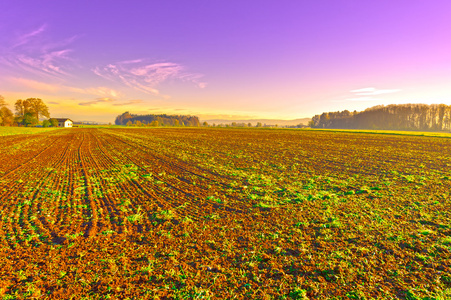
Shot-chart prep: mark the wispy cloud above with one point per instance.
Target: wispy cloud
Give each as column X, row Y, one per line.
column 146, row 77
column 368, row 94
column 362, row 99
column 371, row 91
column 35, row 53
column 35, row 85
column 97, row 101
column 25, row 38
column 100, row 91
column 110, row 100
column 202, row 85
column 97, row 91
column 130, row 102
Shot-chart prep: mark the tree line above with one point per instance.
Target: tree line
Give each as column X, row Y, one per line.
column 6, row 115
column 27, row 113
column 156, row 120
column 434, row 117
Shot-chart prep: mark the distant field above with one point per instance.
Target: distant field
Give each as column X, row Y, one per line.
column 209, row 213
column 367, row 131
column 395, row 132
column 23, row 130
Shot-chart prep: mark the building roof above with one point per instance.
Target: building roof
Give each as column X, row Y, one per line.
column 63, row 119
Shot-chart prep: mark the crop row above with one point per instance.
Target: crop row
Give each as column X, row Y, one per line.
column 224, row 213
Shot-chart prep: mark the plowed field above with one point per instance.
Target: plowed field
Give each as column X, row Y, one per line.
column 224, row 213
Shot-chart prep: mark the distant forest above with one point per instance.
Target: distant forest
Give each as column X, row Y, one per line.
column 435, row 117
column 156, row 120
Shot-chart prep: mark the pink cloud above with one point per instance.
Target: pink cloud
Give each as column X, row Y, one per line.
column 97, row 101
column 36, row 85
column 25, row 38
column 373, row 91
column 34, row 53
column 147, row 77
column 130, row 102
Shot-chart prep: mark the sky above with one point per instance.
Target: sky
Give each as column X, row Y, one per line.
column 93, row 60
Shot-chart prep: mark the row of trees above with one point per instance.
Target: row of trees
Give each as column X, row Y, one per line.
column 156, row 120
column 27, row 113
column 435, row 117
column 6, row 115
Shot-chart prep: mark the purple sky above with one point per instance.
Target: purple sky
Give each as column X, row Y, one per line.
column 92, row 60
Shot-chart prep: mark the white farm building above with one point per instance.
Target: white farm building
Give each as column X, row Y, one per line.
column 64, row 122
